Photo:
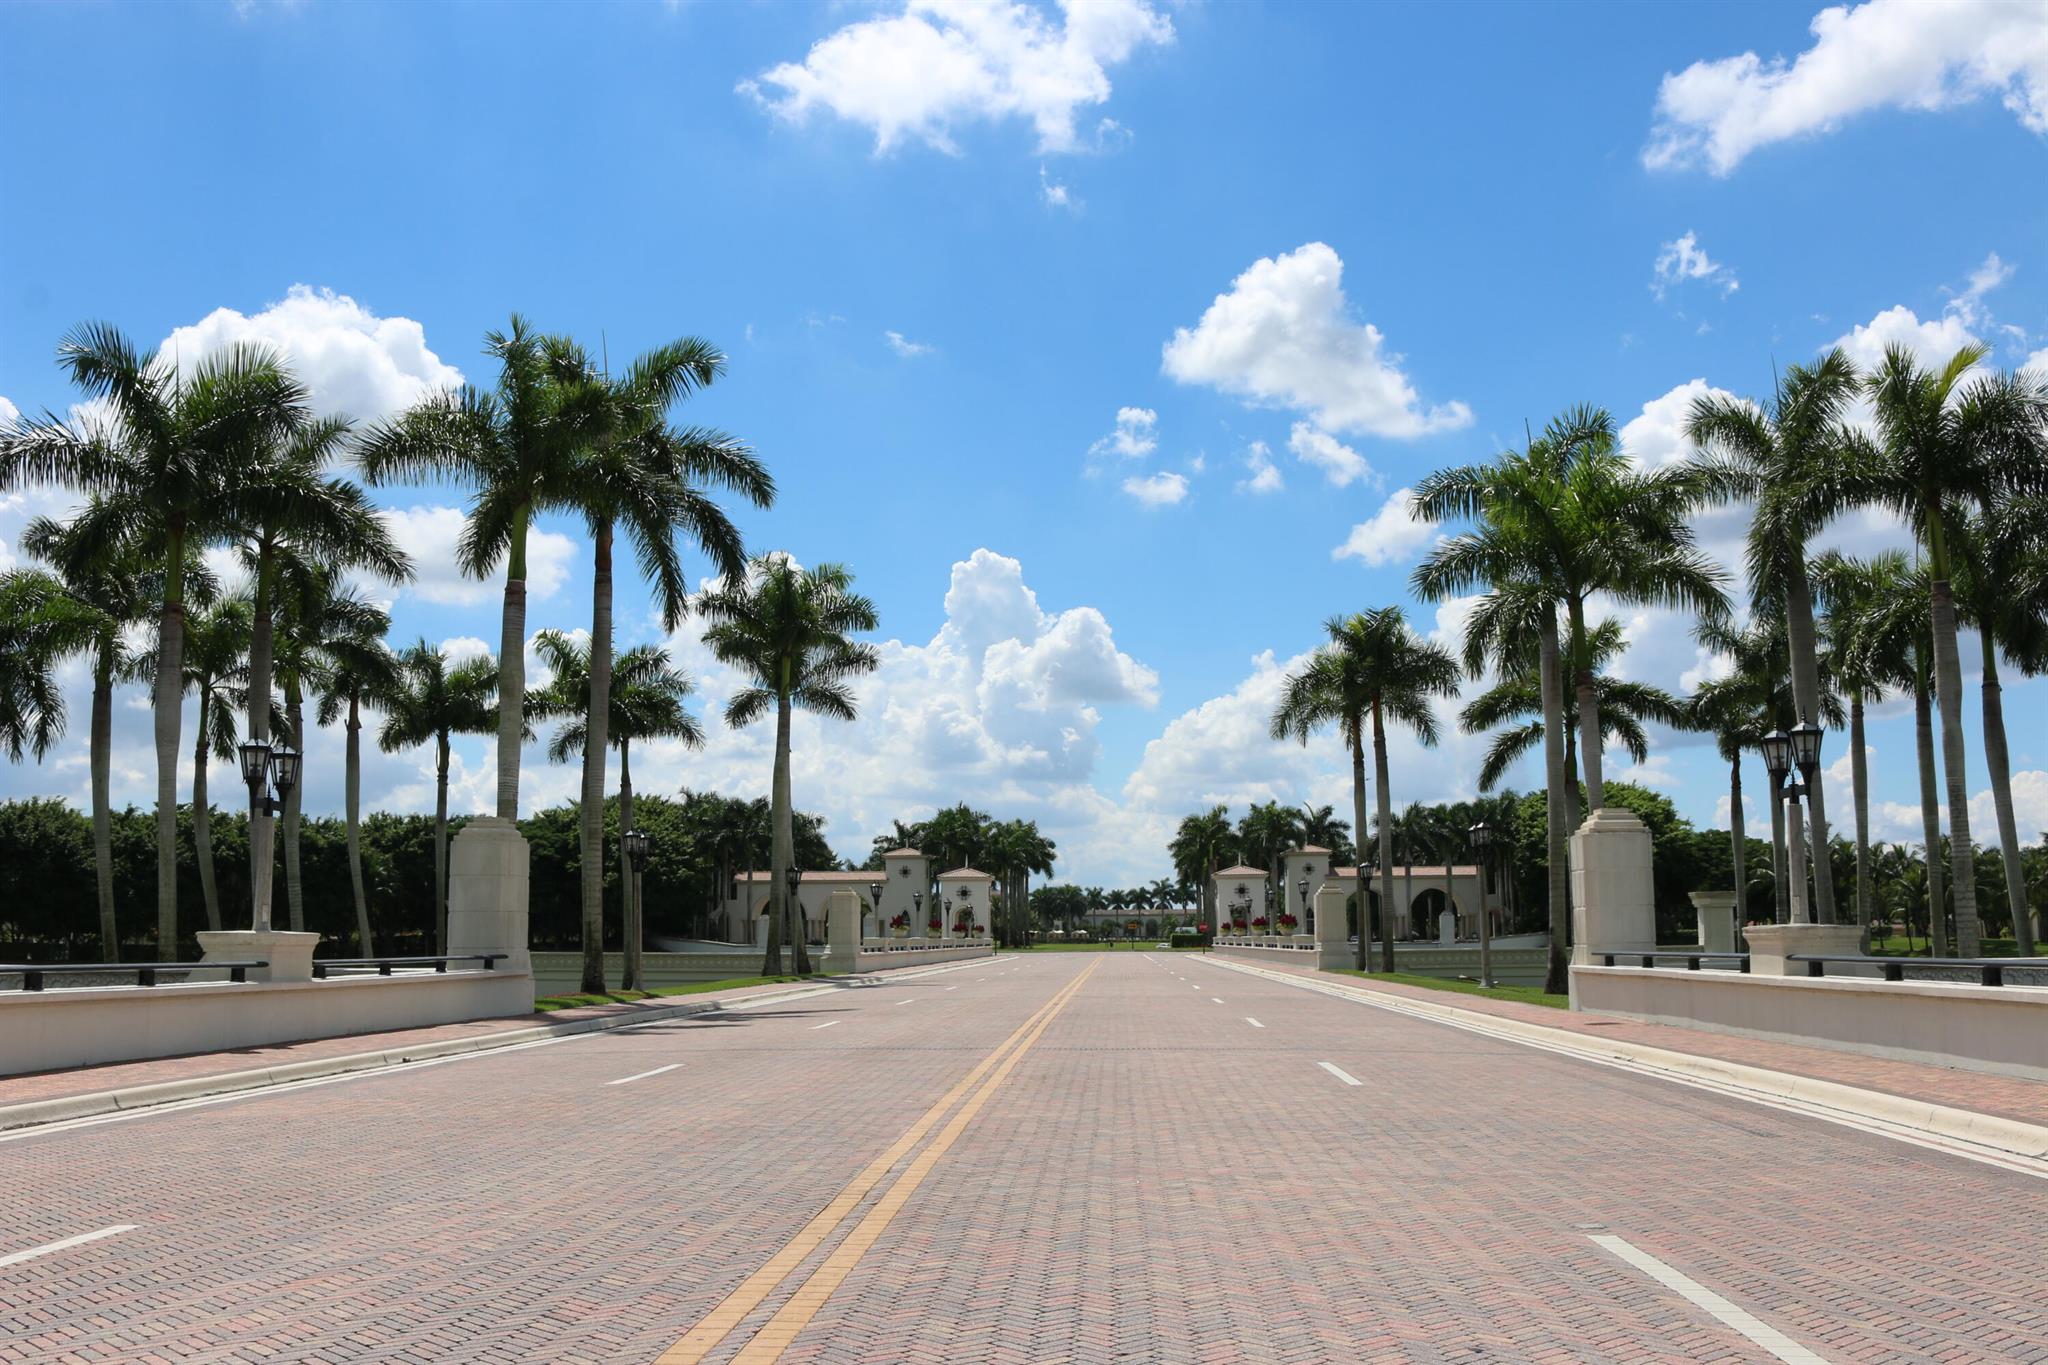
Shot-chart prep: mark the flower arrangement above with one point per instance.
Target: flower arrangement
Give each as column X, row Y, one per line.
column 901, row 921
column 961, row 928
column 1287, row 923
column 1259, row 924
column 935, row 922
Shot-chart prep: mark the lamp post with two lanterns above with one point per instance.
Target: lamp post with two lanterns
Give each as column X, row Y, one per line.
column 1781, row 752
column 638, row 845
column 1481, row 836
column 875, row 889
column 263, row 768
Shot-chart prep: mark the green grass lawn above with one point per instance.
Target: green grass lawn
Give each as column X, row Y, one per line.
column 565, row 1002
column 1895, row 946
column 1528, row 995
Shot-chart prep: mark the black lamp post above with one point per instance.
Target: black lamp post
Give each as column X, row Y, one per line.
column 1777, row 751
column 875, row 897
column 1301, row 894
column 265, row 767
column 917, row 908
column 637, row 844
column 1481, row 835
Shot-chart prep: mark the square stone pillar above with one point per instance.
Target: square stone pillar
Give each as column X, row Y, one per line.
column 1614, row 901
column 842, row 929
column 1716, row 910
column 487, row 892
column 1772, row 945
column 1333, row 944
column 290, row 955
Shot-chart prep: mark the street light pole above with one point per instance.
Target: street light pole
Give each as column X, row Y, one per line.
column 1777, row 751
column 1806, row 738
column 264, row 767
column 1482, row 844
column 637, row 845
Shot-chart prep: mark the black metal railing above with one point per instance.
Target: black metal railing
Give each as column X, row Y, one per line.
column 33, row 974
column 383, row 966
column 1990, row 970
column 1692, row 961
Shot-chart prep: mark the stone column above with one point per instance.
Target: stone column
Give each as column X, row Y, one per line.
column 1771, row 947
column 1614, row 903
column 1795, row 859
column 842, row 930
column 1333, row 946
column 1716, row 920
column 487, row 893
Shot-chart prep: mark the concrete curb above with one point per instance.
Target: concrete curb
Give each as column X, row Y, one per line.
column 35, row 1113
column 2013, row 1139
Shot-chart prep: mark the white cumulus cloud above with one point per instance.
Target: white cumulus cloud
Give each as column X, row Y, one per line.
column 937, row 64
column 1136, row 435
column 429, row 535
column 1685, row 259
column 1283, row 336
column 1340, row 464
column 354, row 363
column 1392, row 535
column 905, row 347
column 1902, row 54
column 1932, row 341
column 1265, row 475
column 1158, row 490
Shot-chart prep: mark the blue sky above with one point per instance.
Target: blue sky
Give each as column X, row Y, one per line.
column 1089, row 338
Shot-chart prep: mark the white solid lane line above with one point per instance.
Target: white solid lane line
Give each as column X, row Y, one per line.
column 1722, row 1311
column 827, row 1024
column 66, row 1244
column 628, row 1080
column 1253, row 1022
column 1340, row 1073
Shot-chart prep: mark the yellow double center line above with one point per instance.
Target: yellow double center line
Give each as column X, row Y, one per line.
column 768, row 1344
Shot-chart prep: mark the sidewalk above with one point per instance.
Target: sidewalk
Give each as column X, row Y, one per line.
column 23, row 1098
column 2000, row 1096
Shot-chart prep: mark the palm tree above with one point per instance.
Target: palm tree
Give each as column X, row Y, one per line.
column 162, row 450
column 44, row 620
column 1854, row 593
column 433, row 700
column 520, row 447
column 1948, row 448
column 1374, row 668
column 217, row 671
column 1626, row 708
column 1016, row 850
column 1729, row 709
column 1563, row 519
column 1199, row 849
column 295, row 525
column 1999, row 548
column 645, row 702
column 649, row 479
column 1321, row 827
column 1802, row 463
column 360, row 671
column 787, row 628
column 107, row 583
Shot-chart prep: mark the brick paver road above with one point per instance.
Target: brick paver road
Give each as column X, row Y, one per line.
column 1068, row 1157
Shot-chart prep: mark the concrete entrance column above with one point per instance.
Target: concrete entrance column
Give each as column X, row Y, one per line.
column 1716, row 911
column 1333, row 946
column 842, row 930
column 1614, row 900
column 290, row 955
column 487, row 894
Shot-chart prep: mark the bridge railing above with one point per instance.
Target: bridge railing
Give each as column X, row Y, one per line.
column 34, row 975
column 323, row 968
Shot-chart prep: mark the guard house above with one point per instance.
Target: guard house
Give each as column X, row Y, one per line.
column 1240, row 894
column 966, row 897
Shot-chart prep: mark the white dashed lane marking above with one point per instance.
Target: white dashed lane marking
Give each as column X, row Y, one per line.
column 66, row 1244
column 628, row 1080
column 1340, row 1073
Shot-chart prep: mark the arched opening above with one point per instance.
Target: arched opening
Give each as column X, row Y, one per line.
column 1428, row 906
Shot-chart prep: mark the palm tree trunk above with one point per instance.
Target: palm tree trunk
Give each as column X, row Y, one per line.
column 512, row 671
column 202, row 823
column 1379, row 773
column 294, row 889
column 1997, row 760
column 629, row 948
column 1738, row 848
column 1557, row 974
column 352, row 800
column 441, row 842
column 1930, row 806
column 596, row 747
column 778, row 845
column 1589, row 710
column 1859, row 780
column 102, row 805
column 1363, row 884
column 170, row 692
column 1948, row 694
column 1799, row 632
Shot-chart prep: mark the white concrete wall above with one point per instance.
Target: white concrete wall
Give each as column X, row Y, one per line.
column 2002, row 1029
column 53, row 1029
